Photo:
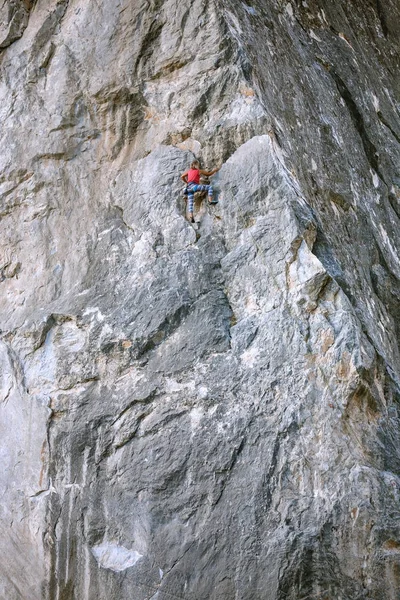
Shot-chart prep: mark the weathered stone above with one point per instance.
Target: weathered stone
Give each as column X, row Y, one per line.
column 14, row 16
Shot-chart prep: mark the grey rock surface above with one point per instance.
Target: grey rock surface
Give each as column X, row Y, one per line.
column 207, row 412
column 14, row 15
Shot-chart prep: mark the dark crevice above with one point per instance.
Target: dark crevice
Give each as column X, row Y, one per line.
column 120, row 211
column 169, row 325
column 143, row 400
column 237, row 451
column 358, row 122
column 267, row 480
column 394, row 203
column 48, row 58
column 148, row 46
column 235, row 455
column 49, row 26
column 387, row 124
column 382, row 18
column 132, row 433
column 186, row 16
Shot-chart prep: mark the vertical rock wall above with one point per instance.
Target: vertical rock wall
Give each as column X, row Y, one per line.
column 210, row 413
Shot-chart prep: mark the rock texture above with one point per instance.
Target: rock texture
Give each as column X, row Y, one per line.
column 211, row 412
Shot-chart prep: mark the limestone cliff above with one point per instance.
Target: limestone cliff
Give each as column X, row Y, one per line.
column 208, row 412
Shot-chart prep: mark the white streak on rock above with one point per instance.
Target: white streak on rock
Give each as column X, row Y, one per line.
column 375, row 101
column 314, row 36
column 249, row 9
column 249, row 357
column 93, row 310
column 289, row 10
column 114, row 557
column 375, row 178
column 196, row 415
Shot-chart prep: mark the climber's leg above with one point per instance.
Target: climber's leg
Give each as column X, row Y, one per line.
column 190, row 203
column 209, row 190
column 210, row 193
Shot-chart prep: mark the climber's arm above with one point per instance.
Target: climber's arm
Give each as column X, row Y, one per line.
column 184, row 176
column 209, row 173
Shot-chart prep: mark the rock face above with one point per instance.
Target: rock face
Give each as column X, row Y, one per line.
column 213, row 412
column 14, row 16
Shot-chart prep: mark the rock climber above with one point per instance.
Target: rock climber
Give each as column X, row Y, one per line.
column 192, row 179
